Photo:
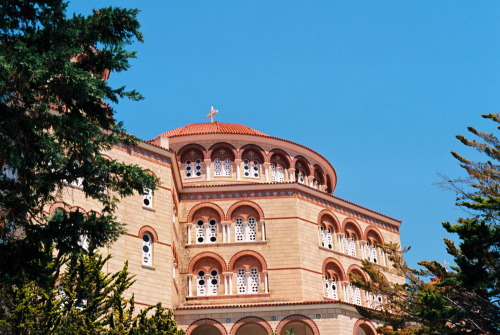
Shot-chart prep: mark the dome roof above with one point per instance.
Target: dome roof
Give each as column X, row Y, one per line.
column 213, row 128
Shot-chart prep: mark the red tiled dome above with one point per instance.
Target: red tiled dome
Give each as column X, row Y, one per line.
column 213, row 128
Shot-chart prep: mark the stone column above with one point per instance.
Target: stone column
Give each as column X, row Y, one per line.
column 263, row 230
column 237, row 163
column 227, row 228
column 292, row 174
column 190, row 278
column 207, row 164
column 189, row 224
column 309, row 181
column 266, row 285
column 267, row 172
column 227, row 283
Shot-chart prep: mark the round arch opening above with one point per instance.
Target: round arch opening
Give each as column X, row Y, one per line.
column 299, row 328
column 206, row 330
column 251, row 329
column 364, row 330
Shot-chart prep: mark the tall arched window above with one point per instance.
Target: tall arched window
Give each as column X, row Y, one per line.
column 147, row 247
column 331, row 287
column 251, row 168
column 245, row 231
column 213, row 283
column 247, row 283
column 201, row 284
column 217, row 167
column 192, row 169
column 355, row 294
column 329, row 240
column 300, row 177
column 352, row 246
column 372, row 253
column 253, row 281
column 206, row 232
column 277, row 172
column 241, row 281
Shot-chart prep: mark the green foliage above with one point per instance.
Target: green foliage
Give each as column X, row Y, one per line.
column 83, row 300
column 54, row 127
column 467, row 299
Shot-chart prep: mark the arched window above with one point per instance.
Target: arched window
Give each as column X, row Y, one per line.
column 206, row 233
column 213, row 283
column 147, row 198
column 200, row 231
column 329, row 241
column 192, row 169
column 241, row 281
column 217, row 167
column 226, row 168
column 300, row 177
column 147, row 249
column 239, row 230
column 277, row 172
column 251, row 168
column 253, row 281
column 201, row 284
column 251, row 230
column 212, row 231
column 372, row 253
column 352, row 246
column 355, row 294
column 331, row 287
column 247, row 283
column 245, row 231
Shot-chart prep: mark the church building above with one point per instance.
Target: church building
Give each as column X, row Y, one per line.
column 243, row 235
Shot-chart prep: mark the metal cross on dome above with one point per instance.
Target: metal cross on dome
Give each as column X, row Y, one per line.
column 444, row 264
column 212, row 114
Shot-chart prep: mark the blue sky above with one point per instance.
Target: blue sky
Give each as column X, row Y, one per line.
column 380, row 88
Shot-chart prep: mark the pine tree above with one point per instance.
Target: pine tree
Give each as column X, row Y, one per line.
column 467, row 299
column 54, row 126
column 83, row 300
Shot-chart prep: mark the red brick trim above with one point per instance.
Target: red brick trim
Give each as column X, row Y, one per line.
column 251, row 320
column 245, row 203
column 360, row 270
column 298, row 318
column 150, row 230
column 192, row 146
column 247, row 253
column 366, row 325
column 342, row 273
column 373, row 229
column 282, row 153
column 356, row 225
column 327, row 212
column 206, row 322
column 208, row 205
column 208, row 254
